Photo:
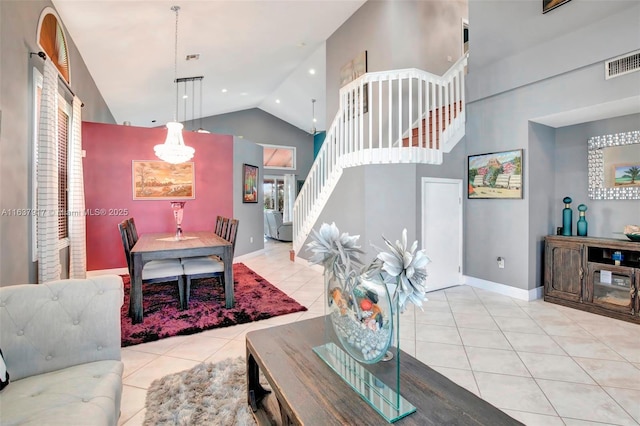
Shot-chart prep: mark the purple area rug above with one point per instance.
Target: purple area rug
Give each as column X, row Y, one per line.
column 256, row 299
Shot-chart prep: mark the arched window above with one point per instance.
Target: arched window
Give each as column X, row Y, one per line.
column 52, row 40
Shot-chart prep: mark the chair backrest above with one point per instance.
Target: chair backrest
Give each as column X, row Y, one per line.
column 123, row 227
column 219, row 223
column 272, row 221
column 232, row 232
column 133, row 232
column 277, row 218
column 222, row 226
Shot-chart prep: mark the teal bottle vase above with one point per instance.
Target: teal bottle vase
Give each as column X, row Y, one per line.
column 582, row 221
column 567, row 216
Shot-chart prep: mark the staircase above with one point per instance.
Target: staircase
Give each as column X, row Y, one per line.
column 388, row 117
column 435, row 118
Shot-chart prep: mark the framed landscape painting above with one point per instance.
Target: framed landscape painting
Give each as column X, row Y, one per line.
column 159, row 180
column 626, row 174
column 495, row 175
column 249, row 183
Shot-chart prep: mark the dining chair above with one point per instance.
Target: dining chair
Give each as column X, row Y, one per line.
column 154, row 271
column 133, row 232
column 209, row 266
column 221, row 225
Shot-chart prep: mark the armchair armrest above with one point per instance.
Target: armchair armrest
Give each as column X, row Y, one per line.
column 285, row 231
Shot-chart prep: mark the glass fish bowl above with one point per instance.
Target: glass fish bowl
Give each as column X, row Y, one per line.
column 361, row 314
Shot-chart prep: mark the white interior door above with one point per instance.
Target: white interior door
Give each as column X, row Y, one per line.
column 442, row 231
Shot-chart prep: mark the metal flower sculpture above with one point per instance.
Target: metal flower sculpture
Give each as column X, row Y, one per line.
column 329, row 246
column 406, row 269
column 403, row 268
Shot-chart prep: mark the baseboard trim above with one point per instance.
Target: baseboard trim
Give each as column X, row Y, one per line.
column 242, row 258
column 516, row 293
column 115, row 271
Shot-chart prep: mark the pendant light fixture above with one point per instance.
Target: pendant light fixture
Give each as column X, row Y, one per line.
column 313, row 115
column 173, row 150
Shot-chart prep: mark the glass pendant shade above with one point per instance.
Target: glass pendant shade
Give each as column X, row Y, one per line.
column 173, row 150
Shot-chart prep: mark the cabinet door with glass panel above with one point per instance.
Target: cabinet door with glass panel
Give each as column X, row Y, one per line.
column 613, row 287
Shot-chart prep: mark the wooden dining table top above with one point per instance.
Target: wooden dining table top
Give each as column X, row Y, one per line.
column 165, row 241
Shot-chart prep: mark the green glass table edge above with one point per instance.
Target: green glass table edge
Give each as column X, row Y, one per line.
column 396, row 406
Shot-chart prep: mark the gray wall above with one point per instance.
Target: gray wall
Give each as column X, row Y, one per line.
column 18, row 26
column 578, row 45
column 372, row 201
column 263, row 128
column 378, row 200
column 396, row 35
column 604, row 217
column 502, row 103
column 249, row 215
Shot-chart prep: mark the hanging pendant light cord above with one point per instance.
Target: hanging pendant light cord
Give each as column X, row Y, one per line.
column 175, row 61
column 200, row 125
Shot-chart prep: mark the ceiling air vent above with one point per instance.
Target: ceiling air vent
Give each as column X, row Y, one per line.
column 622, row 65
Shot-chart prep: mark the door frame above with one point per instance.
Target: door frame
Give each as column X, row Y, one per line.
column 459, row 183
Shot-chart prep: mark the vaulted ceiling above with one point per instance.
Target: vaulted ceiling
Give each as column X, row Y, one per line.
column 251, row 54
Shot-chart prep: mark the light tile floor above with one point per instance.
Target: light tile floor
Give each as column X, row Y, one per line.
column 541, row 363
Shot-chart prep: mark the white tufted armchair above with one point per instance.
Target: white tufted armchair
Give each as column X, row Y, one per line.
column 61, row 344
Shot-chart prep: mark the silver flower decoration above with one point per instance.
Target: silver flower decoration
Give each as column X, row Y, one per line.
column 407, row 269
column 329, row 246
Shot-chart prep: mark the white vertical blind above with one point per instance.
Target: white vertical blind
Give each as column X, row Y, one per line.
column 77, row 219
column 48, row 253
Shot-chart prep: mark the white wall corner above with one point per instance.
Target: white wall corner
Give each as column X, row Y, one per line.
column 516, row 293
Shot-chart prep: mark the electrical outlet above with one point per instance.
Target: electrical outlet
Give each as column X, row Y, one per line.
column 251, row 239
column 501, row 262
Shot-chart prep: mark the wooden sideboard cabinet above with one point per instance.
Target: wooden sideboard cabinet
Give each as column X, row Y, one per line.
column 599, row 275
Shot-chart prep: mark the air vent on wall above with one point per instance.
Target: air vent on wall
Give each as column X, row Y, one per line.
column 622, row 65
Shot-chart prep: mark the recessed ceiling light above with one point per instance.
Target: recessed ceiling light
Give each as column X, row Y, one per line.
column 185, row 96
column 224, row 90
column 312, row 71
column 243, row 94
column 277, row 101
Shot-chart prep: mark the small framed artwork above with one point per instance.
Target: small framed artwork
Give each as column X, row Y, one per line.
column 159, row 180
column 495, row 175
column 547, row 5
column 352, row 70
column 249, row 183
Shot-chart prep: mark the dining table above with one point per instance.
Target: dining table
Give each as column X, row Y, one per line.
column 164, row 245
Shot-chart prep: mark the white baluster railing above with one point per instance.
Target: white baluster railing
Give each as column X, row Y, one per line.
column 384, row 117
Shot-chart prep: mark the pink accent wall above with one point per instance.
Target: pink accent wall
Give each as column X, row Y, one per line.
column 110, row 150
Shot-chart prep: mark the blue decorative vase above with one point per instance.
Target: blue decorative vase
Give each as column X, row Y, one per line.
column 582, row 221
column 567, row 216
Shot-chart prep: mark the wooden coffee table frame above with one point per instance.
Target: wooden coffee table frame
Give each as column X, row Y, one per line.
column 304, row 390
